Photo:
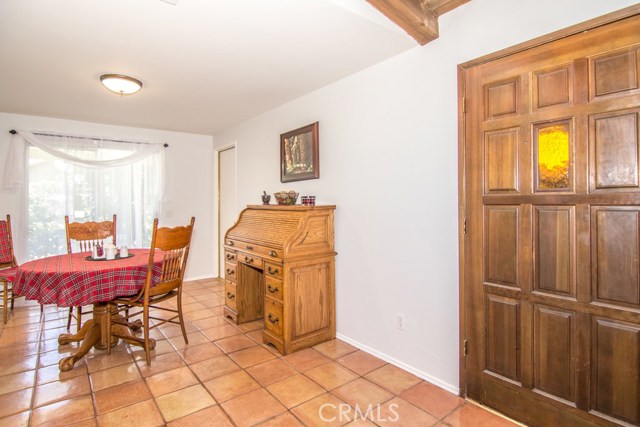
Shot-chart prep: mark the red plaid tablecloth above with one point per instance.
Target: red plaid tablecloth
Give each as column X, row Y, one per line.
column 71, row 280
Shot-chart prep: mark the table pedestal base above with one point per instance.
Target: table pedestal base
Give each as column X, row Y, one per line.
column 91, row 334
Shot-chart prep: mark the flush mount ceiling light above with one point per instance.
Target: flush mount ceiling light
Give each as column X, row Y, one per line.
column 120, row 84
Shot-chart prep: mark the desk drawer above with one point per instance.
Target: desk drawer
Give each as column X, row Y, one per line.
column 250, row 259
column 273, row 287
column 230, row 295
column 230, row 256
column 274, row 270
column 230, row 271
column 260, row 250
column 273, row 316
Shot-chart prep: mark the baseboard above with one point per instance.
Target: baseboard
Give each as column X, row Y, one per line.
column 188, row 279
column 418, row 373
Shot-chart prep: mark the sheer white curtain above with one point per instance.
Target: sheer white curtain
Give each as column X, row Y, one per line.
column 89, row 180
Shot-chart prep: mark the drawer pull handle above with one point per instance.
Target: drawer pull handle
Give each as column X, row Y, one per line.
column 230, row 271
column 272, row 289
column 230, row 295
column 273, row 253
column 249, row 248
column 230, row 243
column 248, row 260
column 230, row 257
column 272, row 270
column 273, row 319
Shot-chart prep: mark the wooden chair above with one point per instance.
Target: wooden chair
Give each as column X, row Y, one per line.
column 174, row 244
column 8, row 267
column 87, row 235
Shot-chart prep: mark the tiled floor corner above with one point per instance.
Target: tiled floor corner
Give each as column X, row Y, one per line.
column 224, row 377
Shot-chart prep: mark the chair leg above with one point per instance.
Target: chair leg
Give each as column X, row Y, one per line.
column 13, row 298
column 184, row 331
column 145, row 317
column 5, row 302
column 69, row 318
column 108, row 331
column 78, row 318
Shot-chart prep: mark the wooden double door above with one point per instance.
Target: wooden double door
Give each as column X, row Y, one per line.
column 551, row 252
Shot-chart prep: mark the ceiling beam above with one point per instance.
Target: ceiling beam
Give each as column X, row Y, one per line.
column 419, row 18
column 440, row 7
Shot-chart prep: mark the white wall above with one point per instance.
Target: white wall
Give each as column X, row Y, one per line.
column 190, row 183
column 388, row 160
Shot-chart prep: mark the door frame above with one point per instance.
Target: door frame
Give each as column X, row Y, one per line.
column 462, row 195
column 218, row 187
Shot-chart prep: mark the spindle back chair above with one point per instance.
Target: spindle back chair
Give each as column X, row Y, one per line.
column 86, row 235
column 174, row 244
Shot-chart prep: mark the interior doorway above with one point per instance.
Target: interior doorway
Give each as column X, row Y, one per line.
column 226, row 198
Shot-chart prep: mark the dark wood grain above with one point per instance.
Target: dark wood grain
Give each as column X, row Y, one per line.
column 551, row 276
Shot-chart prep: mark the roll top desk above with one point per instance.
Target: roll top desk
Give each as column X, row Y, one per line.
column 280, row 266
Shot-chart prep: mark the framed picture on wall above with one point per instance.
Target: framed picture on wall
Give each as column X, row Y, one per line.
column 299, row 155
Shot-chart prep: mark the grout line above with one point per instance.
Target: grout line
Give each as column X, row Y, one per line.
column 144, row 380
column 214, row 288
column 200, row 382
column 37, row 367
column 391, row 360
column 241, row 369
column 493, row 411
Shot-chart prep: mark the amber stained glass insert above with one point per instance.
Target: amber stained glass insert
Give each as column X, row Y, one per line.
column 553, row 156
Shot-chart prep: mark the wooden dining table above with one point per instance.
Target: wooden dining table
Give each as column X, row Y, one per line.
column 72, row 280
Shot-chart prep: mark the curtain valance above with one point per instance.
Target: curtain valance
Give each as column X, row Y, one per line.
column 70, row 148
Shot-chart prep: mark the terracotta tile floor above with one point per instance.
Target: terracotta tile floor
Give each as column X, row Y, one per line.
column 223, row 377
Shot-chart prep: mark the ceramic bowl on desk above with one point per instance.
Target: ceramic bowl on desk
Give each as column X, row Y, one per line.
column 286, row 197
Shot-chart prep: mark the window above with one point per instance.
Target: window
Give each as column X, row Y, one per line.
column 553, row 156
column 58, row 187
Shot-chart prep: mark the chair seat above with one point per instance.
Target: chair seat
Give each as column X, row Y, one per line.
column 8, row 274
column 152, row 300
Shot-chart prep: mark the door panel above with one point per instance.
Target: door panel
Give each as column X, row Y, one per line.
column 616, row 369
column 554, row 352
column 501, row 98
column 616, row 255
column 311, row 286
column 503, row 337
column 552, row 248
column 501, row 154
column 553, row 86
column 502, row 245
column 615, row 151
column 614, row 73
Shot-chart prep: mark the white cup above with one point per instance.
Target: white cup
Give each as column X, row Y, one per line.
column 110, row 251
column 124, row 252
